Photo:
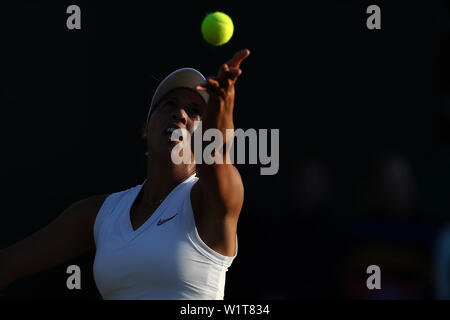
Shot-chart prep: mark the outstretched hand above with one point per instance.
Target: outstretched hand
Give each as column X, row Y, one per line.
column 221, row 87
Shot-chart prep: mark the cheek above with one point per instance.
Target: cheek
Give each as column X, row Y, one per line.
column 154, row 124
column 149, row 132
column 152, row 132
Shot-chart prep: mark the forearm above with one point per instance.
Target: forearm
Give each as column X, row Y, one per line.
column 42, row 250
column 5, row 277
column 67, row 237
column 222, row 121
column 219, row 178
column 8, row 274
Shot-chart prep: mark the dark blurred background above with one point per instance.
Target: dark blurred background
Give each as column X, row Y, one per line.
column 364, row 120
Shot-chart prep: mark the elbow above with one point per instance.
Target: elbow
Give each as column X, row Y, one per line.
column 227, row 203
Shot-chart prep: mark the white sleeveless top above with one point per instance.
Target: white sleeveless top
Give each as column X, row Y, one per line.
column 164, row 259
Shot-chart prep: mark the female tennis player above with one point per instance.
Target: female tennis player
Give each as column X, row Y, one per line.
column 171, row 237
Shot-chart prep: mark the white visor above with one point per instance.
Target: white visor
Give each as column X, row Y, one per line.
column 181, row 78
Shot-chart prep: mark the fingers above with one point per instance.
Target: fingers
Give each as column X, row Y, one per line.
column 232, row 73
column 227, row 76
column 213, row 82
column 238, row 57
column 201, row 88
column 213, row 87
column 223, row 70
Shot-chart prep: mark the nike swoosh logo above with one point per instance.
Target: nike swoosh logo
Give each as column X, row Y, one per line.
column 160, row 222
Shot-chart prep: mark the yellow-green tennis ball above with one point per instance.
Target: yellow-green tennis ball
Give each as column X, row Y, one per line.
column 217, row 28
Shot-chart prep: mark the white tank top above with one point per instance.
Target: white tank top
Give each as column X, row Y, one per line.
column 164, row 259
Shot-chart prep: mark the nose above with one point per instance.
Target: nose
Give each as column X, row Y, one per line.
column 179, row 114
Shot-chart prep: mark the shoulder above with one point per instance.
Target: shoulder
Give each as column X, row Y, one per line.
column 95, row 202
column 86, row 208
column 91, row 203
column 222, row 194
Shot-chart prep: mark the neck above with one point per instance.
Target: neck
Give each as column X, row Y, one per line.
column 162, row 176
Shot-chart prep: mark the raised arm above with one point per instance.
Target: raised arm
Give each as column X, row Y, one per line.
column 219, row 194
column 68, row 236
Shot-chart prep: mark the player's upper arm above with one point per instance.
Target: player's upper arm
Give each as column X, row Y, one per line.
column 68, row 236
column 221, row 189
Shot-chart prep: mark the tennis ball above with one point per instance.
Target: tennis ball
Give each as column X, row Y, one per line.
column 217, row 28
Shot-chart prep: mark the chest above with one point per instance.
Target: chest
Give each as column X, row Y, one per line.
column 139, row 215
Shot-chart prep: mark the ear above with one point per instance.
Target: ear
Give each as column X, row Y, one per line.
column 144, row 131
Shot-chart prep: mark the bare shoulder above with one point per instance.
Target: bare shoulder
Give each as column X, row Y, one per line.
column 87, row 207
column 221, row 192
column 92, row 202
column 80, row 217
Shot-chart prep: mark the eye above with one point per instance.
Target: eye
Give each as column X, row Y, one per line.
column 195, row 112
column 168, row 105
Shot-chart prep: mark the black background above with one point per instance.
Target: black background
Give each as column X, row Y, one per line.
column 74, row 101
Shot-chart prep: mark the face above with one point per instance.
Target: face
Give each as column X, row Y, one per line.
column 180, row 108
